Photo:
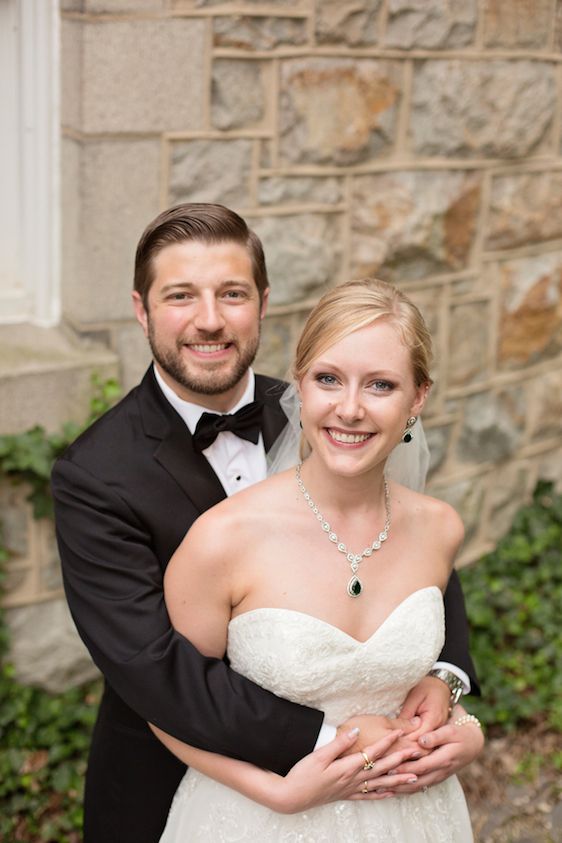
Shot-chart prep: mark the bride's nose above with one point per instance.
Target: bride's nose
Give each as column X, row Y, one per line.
column 349, row 407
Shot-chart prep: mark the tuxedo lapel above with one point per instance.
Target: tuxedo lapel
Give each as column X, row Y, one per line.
column 173, row 442
column 174, row 450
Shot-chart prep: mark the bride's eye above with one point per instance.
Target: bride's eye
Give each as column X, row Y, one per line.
column 326, row 379
column 382, row 386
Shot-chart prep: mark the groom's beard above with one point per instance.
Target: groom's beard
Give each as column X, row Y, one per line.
column 206, row 378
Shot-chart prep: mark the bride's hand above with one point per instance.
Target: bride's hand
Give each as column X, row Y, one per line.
column 451, row 747
column 326, row 775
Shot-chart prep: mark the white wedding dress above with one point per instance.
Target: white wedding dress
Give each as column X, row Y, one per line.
column 307, row 660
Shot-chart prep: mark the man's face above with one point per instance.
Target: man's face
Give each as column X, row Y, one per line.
column 203, row 320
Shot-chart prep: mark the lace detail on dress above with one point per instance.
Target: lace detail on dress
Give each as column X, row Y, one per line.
column 311, row 662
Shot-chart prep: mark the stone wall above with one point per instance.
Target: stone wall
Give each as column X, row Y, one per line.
column 415, row 140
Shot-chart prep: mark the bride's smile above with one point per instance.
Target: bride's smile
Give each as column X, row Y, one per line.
column 356, row 398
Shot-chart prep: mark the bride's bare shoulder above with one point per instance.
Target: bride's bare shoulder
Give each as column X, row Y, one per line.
column 230, row 521
column 432, row 515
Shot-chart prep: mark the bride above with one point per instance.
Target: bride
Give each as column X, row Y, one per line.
column 324, row 584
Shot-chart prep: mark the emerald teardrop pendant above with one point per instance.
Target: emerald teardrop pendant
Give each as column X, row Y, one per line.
column 354, row 587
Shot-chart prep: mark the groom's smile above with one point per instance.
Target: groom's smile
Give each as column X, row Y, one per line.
column 203, row 320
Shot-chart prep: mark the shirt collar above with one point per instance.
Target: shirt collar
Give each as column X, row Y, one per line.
column 191, row 413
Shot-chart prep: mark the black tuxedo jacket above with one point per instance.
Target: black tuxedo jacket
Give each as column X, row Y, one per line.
column 125, row 494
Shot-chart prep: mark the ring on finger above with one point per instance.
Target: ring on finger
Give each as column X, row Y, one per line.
column 368, row 765
column 365, row 788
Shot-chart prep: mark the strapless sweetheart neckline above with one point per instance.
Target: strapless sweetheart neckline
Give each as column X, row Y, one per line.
column 315, row 620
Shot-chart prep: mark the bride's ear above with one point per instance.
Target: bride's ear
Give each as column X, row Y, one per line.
column 422, row 392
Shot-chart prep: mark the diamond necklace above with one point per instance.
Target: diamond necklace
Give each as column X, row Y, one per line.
column 354, row 586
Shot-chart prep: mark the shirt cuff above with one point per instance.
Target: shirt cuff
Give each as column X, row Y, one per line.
column 326, row 734
column 457, row 671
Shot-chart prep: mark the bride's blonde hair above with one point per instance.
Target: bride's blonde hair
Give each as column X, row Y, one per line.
column 357, row 304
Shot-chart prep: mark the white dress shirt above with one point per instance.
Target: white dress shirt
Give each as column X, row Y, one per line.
column 238, row 464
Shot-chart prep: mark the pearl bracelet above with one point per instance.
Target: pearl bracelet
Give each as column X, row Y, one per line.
column 467, row 718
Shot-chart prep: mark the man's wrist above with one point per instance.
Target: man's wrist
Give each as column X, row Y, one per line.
column 453, row 683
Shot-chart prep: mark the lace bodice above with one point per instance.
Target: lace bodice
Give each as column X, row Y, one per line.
column 309, row 661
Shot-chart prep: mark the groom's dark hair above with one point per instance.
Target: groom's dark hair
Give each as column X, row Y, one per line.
column 204, row 222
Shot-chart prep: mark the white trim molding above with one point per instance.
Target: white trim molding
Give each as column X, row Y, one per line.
column 30, row 148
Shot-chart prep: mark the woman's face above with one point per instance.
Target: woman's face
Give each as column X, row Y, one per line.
column 357, row 396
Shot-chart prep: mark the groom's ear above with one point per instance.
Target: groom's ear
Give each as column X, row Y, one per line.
column 140, row 311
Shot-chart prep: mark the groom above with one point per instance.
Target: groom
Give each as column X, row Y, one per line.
column 127, row 491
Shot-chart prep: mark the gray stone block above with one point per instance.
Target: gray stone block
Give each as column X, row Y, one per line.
column 498, row 109
column 253, row 33
column 211, row 171
column 238, row 98
column 119, row 195
column 347, row 22
column 491, row 430
column 303, row 254
column 291, row 190
column 430, row 24
column 143, row 75
column 46, row 650
column 469, row 354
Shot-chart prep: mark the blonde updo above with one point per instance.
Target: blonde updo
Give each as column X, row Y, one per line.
column 357, row 304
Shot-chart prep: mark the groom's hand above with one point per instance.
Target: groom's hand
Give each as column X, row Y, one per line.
column 428, row 700
column 373, row 727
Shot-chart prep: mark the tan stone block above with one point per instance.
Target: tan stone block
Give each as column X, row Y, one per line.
column 71, row 34
column 238, row 94
column 45, row 377
column 70, row 214
column 410, row 224
column 338, row 110
column 347, row 22
column 550, row 468
column 530, row 327
column 430, row 24
column 544, row 405
column 499, row 109
column 211, row 171
column 525, row 208
column 253, row 33
column 143, row 75
column 469, row 343
column 517, row 23
column 119, row 195
column 131, row 346
column 303, row 254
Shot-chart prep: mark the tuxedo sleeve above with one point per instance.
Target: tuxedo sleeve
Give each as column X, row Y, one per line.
column 456, row 648
column 114, row 587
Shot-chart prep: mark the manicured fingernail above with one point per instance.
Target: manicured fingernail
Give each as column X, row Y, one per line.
column 354, row 732
column 413, row 780
column 391, row 773
column 423, row 740
column 414, row 721
column 415, row 754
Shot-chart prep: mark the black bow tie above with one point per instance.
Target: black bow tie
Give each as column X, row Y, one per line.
column 245, row 423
